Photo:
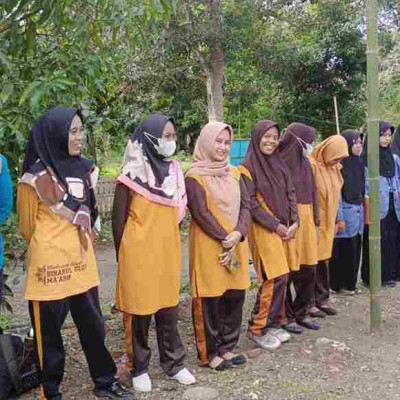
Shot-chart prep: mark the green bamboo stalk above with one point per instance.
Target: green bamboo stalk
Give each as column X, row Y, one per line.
column 373, row 164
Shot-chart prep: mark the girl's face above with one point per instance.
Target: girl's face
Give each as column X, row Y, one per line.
column 269, row 142
column 222, row 146
column 385, row 139
column 76, row 137
column 357, row 147
column 334, row 161
column 169, row 134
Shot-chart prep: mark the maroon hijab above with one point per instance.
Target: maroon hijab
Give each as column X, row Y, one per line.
column 269, row 173
column 291, row 150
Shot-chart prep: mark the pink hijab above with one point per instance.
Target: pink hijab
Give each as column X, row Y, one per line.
column 222, row 186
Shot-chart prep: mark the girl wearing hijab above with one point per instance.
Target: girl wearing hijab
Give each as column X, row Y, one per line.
column 149, row 204
column 294, row 147
column 6, row 202
column 389, row 212
column 57, row 213
column 219, row 270
column 325, row 163
column 395, row 143
column 274, row 225
column 345, row 262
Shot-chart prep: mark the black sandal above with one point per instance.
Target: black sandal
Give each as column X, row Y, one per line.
column 223, row 366
column 328, row 310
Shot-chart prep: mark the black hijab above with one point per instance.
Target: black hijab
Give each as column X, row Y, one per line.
column 153, row 125
column 50, row 169
column 353, row 171
column 386, row 160
column 395, row 145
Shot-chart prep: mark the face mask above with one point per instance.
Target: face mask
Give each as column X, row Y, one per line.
column 164, row 148
column 306, row 147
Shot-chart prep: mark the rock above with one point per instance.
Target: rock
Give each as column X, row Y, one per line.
column 200, row 393
column 325, row 342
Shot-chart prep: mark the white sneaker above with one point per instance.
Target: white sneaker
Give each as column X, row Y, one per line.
column 267, row 341
column 280, row 334
column 184, row 377
column 142, row 383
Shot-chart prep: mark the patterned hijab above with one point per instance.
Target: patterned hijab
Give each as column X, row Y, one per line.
column 155, row 177
column 63, row 182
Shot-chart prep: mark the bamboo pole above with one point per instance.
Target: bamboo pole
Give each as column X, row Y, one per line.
column 373, row 164
column 336, row 115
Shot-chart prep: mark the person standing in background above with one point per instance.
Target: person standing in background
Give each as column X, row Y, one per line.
column 389, row 184
column 345, row 262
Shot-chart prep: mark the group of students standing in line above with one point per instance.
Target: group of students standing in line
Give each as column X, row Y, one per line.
column 298, row 209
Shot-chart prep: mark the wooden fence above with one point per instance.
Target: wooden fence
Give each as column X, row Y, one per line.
column 105, row 196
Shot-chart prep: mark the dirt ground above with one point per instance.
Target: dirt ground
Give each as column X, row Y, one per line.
column 340, row 361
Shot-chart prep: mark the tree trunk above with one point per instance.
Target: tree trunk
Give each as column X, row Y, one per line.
column 216, row 64
column 215, row 78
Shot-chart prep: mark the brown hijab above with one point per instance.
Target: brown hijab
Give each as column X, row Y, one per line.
column 222, row 186
column 270, row 174
column 291, row 149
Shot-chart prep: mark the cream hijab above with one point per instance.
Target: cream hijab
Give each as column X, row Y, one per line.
column 224, row 189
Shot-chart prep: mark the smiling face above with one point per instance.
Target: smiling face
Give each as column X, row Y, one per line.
column 269, row 141
column 357, row 147
column 385, row 139
column 76, row 137
column 222, row 146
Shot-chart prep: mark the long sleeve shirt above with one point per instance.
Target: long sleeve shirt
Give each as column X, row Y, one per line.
column 6, row 199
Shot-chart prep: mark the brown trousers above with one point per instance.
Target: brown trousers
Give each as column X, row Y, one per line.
column 304, row 284
column 269, row 309
column 217, row 323
column 322, row 283
column 170, row 347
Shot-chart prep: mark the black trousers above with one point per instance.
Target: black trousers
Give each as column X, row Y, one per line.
column 321, row 292
column 345, row 263
column 217, row 324
column 170, row 347
column 47, row 319
column 297, row 309
column 390, row 248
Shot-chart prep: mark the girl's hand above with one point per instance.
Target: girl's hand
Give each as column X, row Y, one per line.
column 281, row 230
column 226, row 257
column 232, row 240
column 291, row 232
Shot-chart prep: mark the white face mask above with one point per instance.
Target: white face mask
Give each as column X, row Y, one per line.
column 164, row 148
column 306, row 147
